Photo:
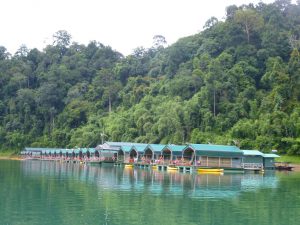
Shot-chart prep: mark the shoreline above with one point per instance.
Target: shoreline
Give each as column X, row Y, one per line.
column 296, row 167
column 4, row 157
column 10, row 158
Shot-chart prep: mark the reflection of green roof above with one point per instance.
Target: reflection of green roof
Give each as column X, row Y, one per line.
column 215, row 150
column 270, row 155
column 156, row 147
column 252, row 152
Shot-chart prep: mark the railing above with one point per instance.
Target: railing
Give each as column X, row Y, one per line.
column 252, row 165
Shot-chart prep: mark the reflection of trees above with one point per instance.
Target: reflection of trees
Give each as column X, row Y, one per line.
column 157, row 182
column 75, row 194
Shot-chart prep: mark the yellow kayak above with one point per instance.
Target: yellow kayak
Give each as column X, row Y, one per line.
column 208, row 170
column 129, row 166
column 172, row 168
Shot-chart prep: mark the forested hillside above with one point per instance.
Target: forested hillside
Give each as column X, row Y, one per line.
column 236, row 82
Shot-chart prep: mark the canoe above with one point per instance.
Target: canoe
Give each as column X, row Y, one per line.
column 210, row 170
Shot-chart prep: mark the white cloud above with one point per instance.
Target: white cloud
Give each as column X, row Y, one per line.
column 122, row 24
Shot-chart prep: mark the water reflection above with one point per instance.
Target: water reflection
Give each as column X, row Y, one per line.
column 152, row 181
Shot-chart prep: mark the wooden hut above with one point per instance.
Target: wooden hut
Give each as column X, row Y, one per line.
column 75, row 153
column 108, row 153
column 123, row 154
column 252, row 159
column 137, row 152
column 62, row 153
column 68, row 153
column 55, row 153
column 269, row 160
column 152, row 153
column 45, row 153
column 90, row 153
column 171, row 154
column 208, row 155
column 84, row 153
column 33, row 152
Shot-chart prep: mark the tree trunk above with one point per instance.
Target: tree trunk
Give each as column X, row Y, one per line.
column 214, row 102
column 247, row 32
column 109, row 103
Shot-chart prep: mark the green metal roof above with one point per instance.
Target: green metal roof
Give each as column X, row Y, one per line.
column 76, row 150
column 215, row 150
column 40, row 149
column 120, row 144
column 45, row 150
column 58, row 150
column 209, row 147
column 157, row 148
column 252, row 153
column 126, row 148
column 270, row 155
column 175, row 149
column 140, row 148
column 83, row 150
column 91, row 150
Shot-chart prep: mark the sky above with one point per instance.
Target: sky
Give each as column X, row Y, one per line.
column 122, row 24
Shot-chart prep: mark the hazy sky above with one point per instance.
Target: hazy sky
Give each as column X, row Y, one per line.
column 122, row 24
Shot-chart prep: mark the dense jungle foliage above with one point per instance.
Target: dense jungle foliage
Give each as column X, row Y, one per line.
column 236, row 82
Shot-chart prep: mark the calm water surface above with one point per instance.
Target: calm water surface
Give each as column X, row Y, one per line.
column 36, row 192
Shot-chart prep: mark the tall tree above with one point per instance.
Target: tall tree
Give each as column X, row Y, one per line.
column 250, row 20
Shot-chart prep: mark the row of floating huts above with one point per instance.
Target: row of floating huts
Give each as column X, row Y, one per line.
column 178, row 157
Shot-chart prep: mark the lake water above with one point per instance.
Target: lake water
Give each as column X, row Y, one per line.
column 40, row 192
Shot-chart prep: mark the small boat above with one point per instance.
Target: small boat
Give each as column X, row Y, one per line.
column 129, row 165
column 210, row 170
column 283, row 166
column 172, row 168
column 154, row 167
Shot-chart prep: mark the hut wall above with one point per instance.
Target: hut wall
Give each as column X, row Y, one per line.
column 236, row 162
column 225, row 162
column 213, row 161
column 253, row 159
column 269, row 163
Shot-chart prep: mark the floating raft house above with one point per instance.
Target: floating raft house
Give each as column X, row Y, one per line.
column 194, row 156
